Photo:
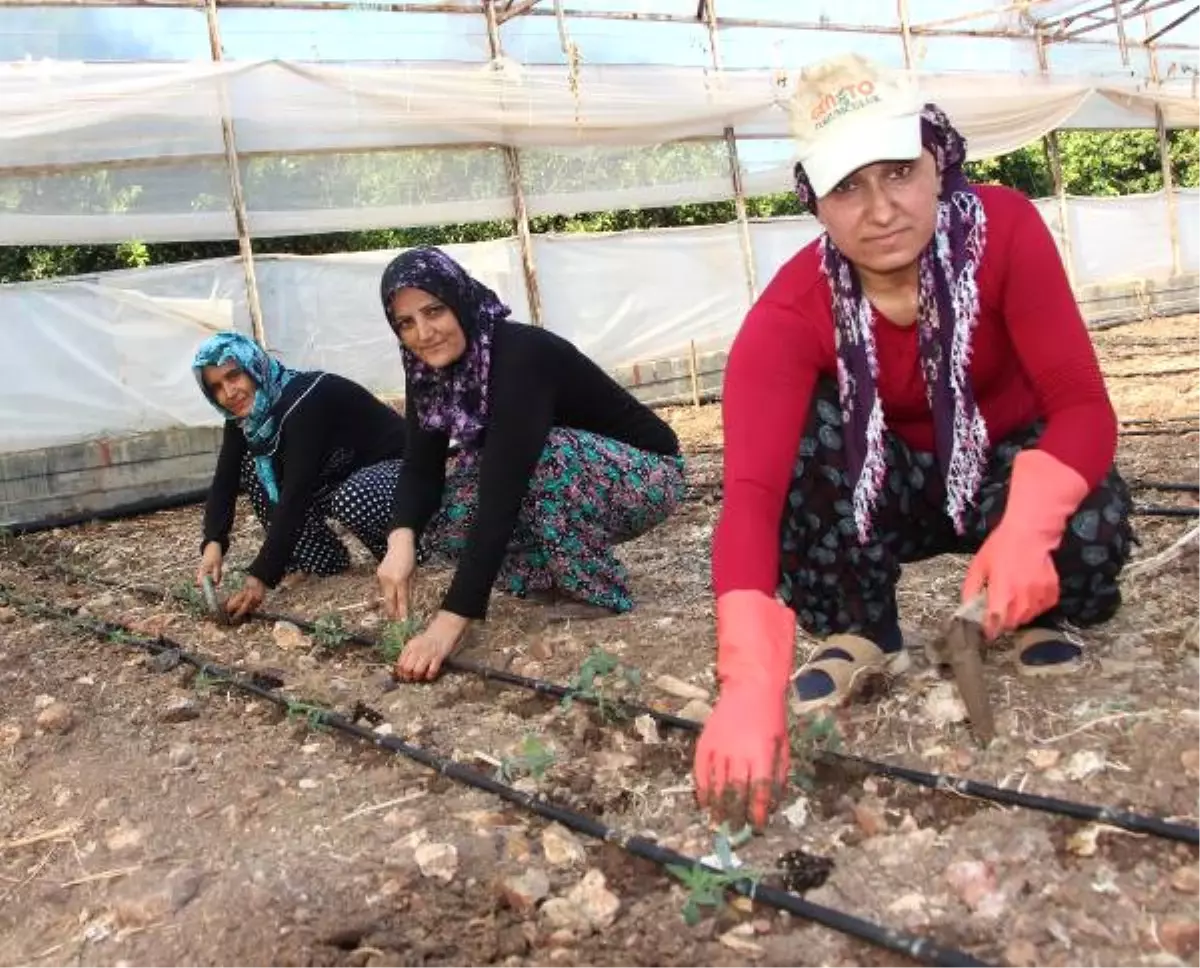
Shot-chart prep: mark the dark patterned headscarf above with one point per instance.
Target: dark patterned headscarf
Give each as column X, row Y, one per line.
column 452, row 399
column 947, row 311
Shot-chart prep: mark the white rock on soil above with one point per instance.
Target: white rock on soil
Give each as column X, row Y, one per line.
column 598, row 904
column 561, row 847
column 523, row 891
column 1042, row 759
column 975, row 883
column 288, row 637
column 10, row 735
column 797, row 814
column 42, row 701
column 647, row 729
column 738, row 939
column 56, row 718
column 1083, row 764
column 677, row 687
column 697, row 709
column 179, row 709
column 123, row 837
column 944, row 706
column 1186, row 880
column 181, row 755
column 1190, row 761
column 559, row 914
column 437, row 860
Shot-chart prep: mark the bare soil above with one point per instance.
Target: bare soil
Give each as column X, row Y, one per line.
column 147, row 817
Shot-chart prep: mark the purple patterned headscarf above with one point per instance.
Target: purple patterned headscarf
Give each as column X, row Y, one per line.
column 452, row 399
column 947, row 311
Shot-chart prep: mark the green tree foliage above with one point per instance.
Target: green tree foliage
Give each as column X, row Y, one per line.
column 1094, row 163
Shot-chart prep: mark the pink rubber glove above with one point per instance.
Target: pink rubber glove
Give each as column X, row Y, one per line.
column 1014, row 563
column 741, row 763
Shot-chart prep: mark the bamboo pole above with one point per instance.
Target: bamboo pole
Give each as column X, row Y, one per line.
column 1054, row 160
column 694, row 369
column 399, row 6
column 512, row 160
column 735, row 166
column 1109, row 21
column 905, row 33
column 233, row 166
column 1164, row 154
column 1122, row 39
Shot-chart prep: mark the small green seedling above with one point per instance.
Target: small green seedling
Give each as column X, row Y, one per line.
column 591, row 684
column 204, row 683
column 329, row 631
column 810, row 738
column 534, row 759
column 706, row 887
column 315, row 715
column 192, row 597
column 395, row 637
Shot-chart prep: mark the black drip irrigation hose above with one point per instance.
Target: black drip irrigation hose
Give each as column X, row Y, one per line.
column 1127, row 820
column 911, row 946
column 1158, row 511
column 1114, row 817
column 1184, row 486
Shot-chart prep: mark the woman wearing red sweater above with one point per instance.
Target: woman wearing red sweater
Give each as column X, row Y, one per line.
column 917, row 381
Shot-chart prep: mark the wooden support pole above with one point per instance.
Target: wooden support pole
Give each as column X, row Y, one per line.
column 735, row 167
column 1054, row 162
column 233, row 165
column 694, row 373
column 512, row 161
column 1122, row 39
column 905, row 33
column 1164, row 152
column 1164, row 156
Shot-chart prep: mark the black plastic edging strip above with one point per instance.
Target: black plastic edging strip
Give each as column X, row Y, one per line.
column 128, row 510
column 1165, row 486
column 1127, row 820
column 912, row 946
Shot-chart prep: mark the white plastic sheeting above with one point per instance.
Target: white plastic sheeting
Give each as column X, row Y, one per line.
column 109, row 354
column 109, row 152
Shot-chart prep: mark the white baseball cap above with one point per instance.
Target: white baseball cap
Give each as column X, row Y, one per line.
column 847, row 112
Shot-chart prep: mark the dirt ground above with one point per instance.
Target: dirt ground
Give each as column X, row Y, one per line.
column 148, row 817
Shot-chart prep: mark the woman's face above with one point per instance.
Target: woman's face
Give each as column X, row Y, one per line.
column 882, row 216
column 232, row 387
column 427, row 327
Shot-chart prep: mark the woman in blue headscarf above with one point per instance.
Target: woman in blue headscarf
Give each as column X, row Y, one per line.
column 304, row 446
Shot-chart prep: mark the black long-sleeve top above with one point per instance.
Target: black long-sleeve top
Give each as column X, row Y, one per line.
column 537, row 381
column 337, row 428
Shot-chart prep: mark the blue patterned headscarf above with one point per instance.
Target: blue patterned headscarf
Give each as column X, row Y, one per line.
column 452, row 399
column 262, row 425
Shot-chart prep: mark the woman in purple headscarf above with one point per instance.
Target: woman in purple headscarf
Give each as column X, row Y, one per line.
column 558, row 463
column 917, row 381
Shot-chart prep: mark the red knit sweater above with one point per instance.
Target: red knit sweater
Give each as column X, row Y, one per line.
column 1031, row 357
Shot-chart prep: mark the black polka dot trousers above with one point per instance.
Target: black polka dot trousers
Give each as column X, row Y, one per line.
column 362, row 503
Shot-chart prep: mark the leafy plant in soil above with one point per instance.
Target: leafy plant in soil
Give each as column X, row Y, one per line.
column 809, row 738
column 534, row 759
column 592, row 683
column 192, row 598
column 707, row 887
column 314, row 715
column 395, row 637
column 329, row 632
